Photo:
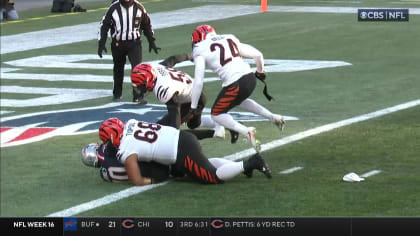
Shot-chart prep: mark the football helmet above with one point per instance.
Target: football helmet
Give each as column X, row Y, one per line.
column 90, row 155
column 111, row 130
column 199, row 34
column 143, row 77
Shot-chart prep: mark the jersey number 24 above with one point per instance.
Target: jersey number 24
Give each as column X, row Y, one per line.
column 234, row 51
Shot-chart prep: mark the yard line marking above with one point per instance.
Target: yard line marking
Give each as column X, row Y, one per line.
column 160, row 20
column 66, row 35
column 291, row 170
column 370, row 173
column 237, row 156
column 105, row 200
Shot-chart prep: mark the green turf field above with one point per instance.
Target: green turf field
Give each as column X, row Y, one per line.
column 45, row 177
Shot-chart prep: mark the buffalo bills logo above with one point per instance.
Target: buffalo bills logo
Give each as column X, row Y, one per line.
column 28, row 128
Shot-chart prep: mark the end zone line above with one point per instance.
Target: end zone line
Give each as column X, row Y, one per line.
column 236, row 156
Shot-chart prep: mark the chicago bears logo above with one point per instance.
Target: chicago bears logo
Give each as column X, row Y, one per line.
column 28, row 128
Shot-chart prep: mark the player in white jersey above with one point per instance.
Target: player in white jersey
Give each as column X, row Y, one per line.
column 139, row 141
column 174, row 88
column 223, row 55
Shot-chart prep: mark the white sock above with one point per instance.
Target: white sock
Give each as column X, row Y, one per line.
column 207, row 122
column 218, row 162
column 227, row 121
column 251, row 106
column 230, row 170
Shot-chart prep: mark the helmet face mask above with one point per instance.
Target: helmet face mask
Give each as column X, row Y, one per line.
column 200, row 33
column 143, row 77
column 90, row 155
column 111, row 131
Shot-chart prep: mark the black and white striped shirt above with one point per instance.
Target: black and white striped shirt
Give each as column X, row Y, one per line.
column 126, row 23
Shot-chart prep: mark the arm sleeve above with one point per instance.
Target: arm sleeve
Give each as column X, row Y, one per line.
column 105, row 25
column 249, row 51
column 173, row 118
column 146, row 26
column 173, row 60
column 200, row 66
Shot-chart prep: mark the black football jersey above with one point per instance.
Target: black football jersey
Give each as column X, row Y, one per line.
column 112, row 170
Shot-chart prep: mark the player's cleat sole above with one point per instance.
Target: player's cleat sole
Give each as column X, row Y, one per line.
column 279, row 122
column 233, row 136
column 263, row 167
column 266, row 170
column 256, row 162
column 253, row 140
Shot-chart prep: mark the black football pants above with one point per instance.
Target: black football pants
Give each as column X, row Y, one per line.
column 120, row 50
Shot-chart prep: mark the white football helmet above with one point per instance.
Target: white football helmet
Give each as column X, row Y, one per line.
column 90, row 155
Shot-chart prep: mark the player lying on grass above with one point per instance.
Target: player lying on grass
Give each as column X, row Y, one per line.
column 223, row 54
column 139, row 141
column 103, row 156
column 174, row 88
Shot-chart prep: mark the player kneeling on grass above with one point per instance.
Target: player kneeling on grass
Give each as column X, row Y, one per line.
column 141, row 141
column 174, row 88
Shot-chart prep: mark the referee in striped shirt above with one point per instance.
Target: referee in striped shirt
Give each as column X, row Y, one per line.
column 125, row 18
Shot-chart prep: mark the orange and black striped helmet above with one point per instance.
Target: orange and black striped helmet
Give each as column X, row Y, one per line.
column 199, row 34
column 143, row 75
column 111, row 130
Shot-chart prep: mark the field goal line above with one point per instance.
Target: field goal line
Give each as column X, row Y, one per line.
column 236, row 156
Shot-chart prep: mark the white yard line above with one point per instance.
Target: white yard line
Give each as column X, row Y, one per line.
column 89, row 31
column 236, row 156
column 370, row 173
column 291, row 170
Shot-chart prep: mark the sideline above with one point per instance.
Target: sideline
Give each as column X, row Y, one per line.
column 236, row 156
column 160, row 20
column 89, row 31
column 53, row 15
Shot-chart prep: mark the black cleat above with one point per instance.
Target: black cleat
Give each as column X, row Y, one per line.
column 233, row 136
column 117, row 99
column 248, row 173
column 258, row 163
column 139, row 101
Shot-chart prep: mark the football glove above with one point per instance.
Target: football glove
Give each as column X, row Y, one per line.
column 101, row 48
column 152, row 45
column 190, row 115
column 260, row 76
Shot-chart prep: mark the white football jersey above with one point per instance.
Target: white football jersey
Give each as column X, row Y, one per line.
column 221, row 53
column 170, row 81
column 151, row 142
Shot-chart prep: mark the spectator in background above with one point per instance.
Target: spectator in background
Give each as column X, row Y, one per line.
column 7, row 10
column 125, row 18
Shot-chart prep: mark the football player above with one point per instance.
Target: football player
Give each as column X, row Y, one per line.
column 174, row 88
column 103, row 156
column 139, row 141
column 223, row 55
